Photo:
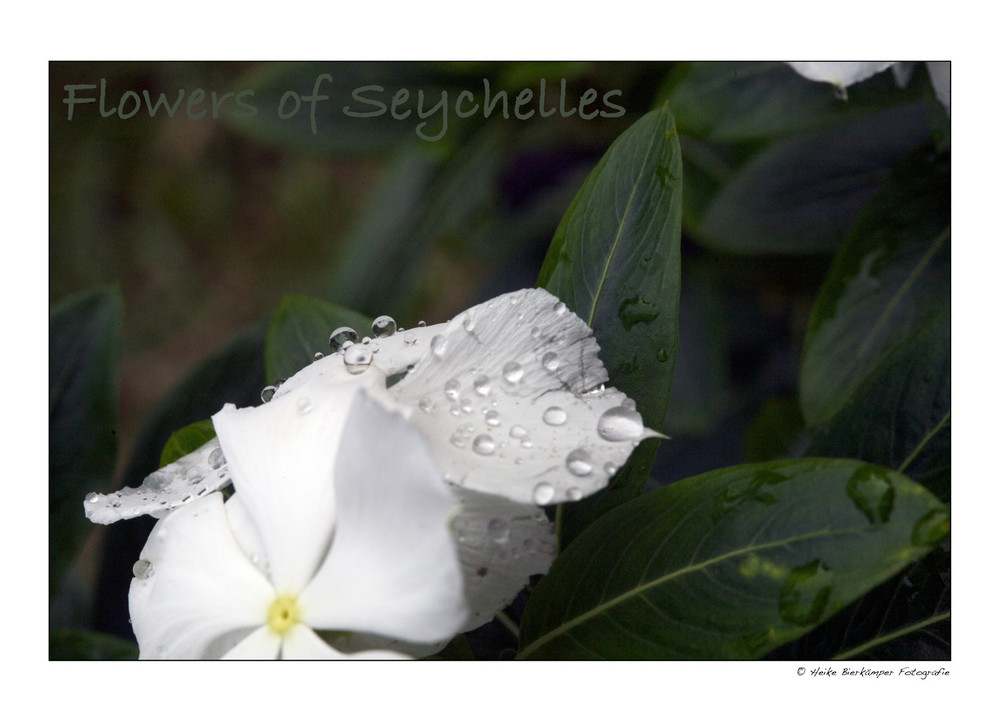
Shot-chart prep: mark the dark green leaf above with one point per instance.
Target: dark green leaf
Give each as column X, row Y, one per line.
column 774, row 432
column 78, row 644
column 300, row 328
column 801, row 195
column 184, row 441
column 83, row 404
column 730, row 564
column 906, row 618
column 900, row 416
column 615, row 261
column 891, row 275
column 747, row 101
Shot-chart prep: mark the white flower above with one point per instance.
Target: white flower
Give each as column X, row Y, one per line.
column 844, row 74
column 353, row 542
column 510, row 399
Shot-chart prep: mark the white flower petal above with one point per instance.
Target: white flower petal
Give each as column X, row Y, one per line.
column 841, row 75
column 262, row 643
column 901, row 73
column 940, row 74
column 512, row 402
column 500, row 545
column 281, row 456
column 197, row 585
column 392, row 569
column 194, row 475
column 301, row 642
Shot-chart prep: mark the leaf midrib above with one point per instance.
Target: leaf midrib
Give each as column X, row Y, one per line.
column 640, row 589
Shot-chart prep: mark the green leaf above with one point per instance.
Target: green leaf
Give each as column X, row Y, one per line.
column 300, row 328
column 775, row 430
column 749, row 101
column 83, row 402
column 615, row 261
column 891, row 275
column 184, row 441
column 801, row 195
column 900, row 416
column 78, row 644
column 730, row 564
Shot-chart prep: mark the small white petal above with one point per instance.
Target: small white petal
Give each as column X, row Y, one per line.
column 901, row 73
column 500, row 544
column 198, row 585
column 513, row 405
column 262, row 643
column 393, row 569
column 842, row 74
column 301, row 642
column 282, row 462
column 190, row 477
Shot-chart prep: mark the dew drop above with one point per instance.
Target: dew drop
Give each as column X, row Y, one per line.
column 421, row 324
column 317, row 356
column 216, row 458
column 536, row 332
column 340, row 338
column 157, row 480
column 554, row 416
column 482, row 385
column 484, row 445
column 267, row 393
column 357, row 358
column 498, row 530
column 620, row 424
column 574, row 494
column 451, row 389
column 409, row 338
column 559, row 308
column 426, row 405
column 92, row 497
column 383, row 326
column 610, row 469
column 512, row 372
column 469, row 324
column 304, row 405
column 543, row 493
column 518, row 432
column 457, row 440
column 578, row 462
column 195, row 475
column 493, row 418
column 439, row 344
column 550, row 361
column 142, row 569
column 466, row 406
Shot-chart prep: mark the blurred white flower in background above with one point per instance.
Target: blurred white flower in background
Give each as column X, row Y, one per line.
column 844, row 74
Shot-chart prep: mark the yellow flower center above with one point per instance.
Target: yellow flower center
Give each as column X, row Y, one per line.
column 283, row 614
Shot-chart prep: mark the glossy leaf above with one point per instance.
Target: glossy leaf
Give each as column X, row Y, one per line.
column 730, row 564
column 615, row 261
column 900, row 416
column 83, row 409
column 184, row 441
column 890, row 276
column 802, row 194
column 749, row 101
column 300, row 328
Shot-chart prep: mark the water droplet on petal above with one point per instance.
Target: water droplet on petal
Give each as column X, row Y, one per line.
column 610, row 469
column 304, row 405
column 421, row 324
column 458, row 440
column 518, row 432
column 340, row 338
column 142, row 569
column 554, row 416
column 383, row 326
column 579, row 463
column 482, row 385
column 439, row 344
column 357, row 358
column 157, row 480
column 451, row 389
column 543, row 493
column 574, row 494
column 195, row 475
column 493, row 418
column 216, row 458
column 550, row 361
column 469, row 324
column 484, row 445
column 409, row 338
column 92, row 497
column 512, row 372
column 559, row 308
column 536, row 332
column 620, row 424
column 267, row 393
column 426, row 405
column 317, row 356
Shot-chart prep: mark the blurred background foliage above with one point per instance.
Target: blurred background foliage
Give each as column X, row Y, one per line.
column 203, row 226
